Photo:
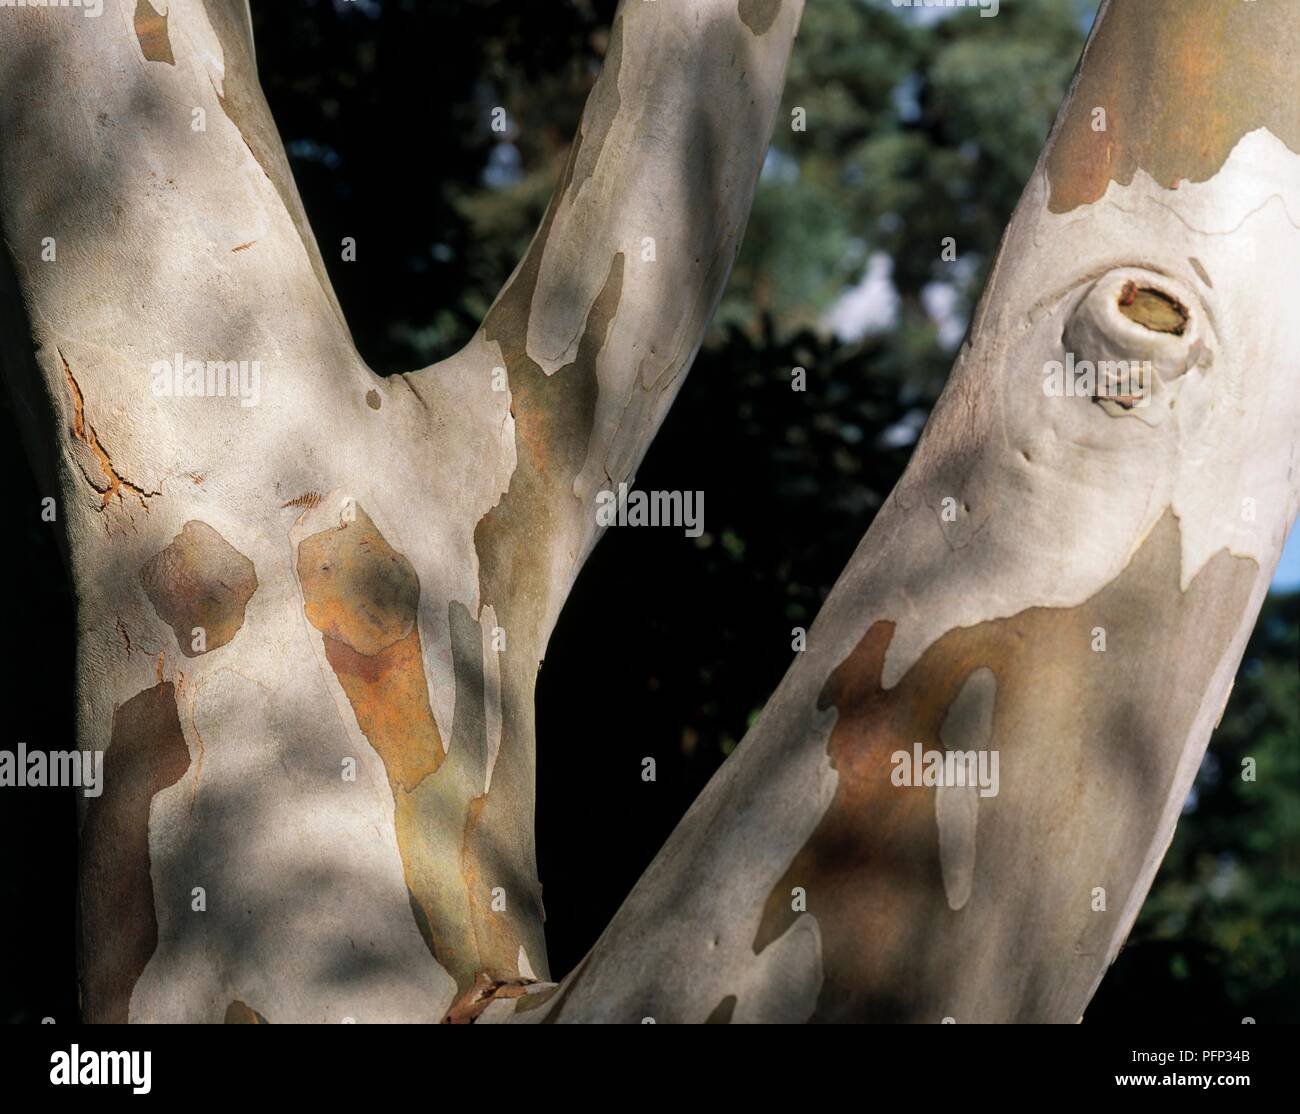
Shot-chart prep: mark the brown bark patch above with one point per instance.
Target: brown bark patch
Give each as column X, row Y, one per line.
column 373, row 400
column 1088, row 744
column 1182, row 81
column 200, row 581
column 759, row 15
column 151, row 30
column 147, row 753
column 238, row 1013
column 467, row 1008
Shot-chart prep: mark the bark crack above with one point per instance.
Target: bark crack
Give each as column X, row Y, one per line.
column 115, row 483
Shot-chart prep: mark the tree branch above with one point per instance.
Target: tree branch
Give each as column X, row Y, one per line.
column 1061, row 583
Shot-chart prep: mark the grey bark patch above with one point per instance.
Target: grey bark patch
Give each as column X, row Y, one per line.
column 722, row 1012
column 469, row 726
column 600, row 115
column 200, row 581
column 759, row 15
column 967, row 728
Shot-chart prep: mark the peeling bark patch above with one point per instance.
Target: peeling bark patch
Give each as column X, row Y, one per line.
column 151, row 30
column 554, row 416
column 361, row 594
column 516, row 546
column 599, row 118
column 238, row 1013
column 968, row 727
column 759, row 15
column 722, row 1012
column 390, row 698
column 1153, row 309
column 1088, row 743
column 1181, row 81
column 200, row 580
column 357, row 588
column 119, row 926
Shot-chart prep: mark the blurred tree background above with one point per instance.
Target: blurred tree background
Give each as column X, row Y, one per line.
column 921, row 124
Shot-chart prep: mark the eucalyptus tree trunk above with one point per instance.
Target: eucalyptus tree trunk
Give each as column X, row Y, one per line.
column 309, row 626
column 1057, row 594
column 312, row 601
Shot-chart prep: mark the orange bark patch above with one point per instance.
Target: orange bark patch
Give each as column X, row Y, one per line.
column 151, row 30
column 496, row 939
column 357, row 588
column 390, row 698
column 362, row 595
column 1088, row 745
column 200, row 582
column 118, row 922
column 1181, row 82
